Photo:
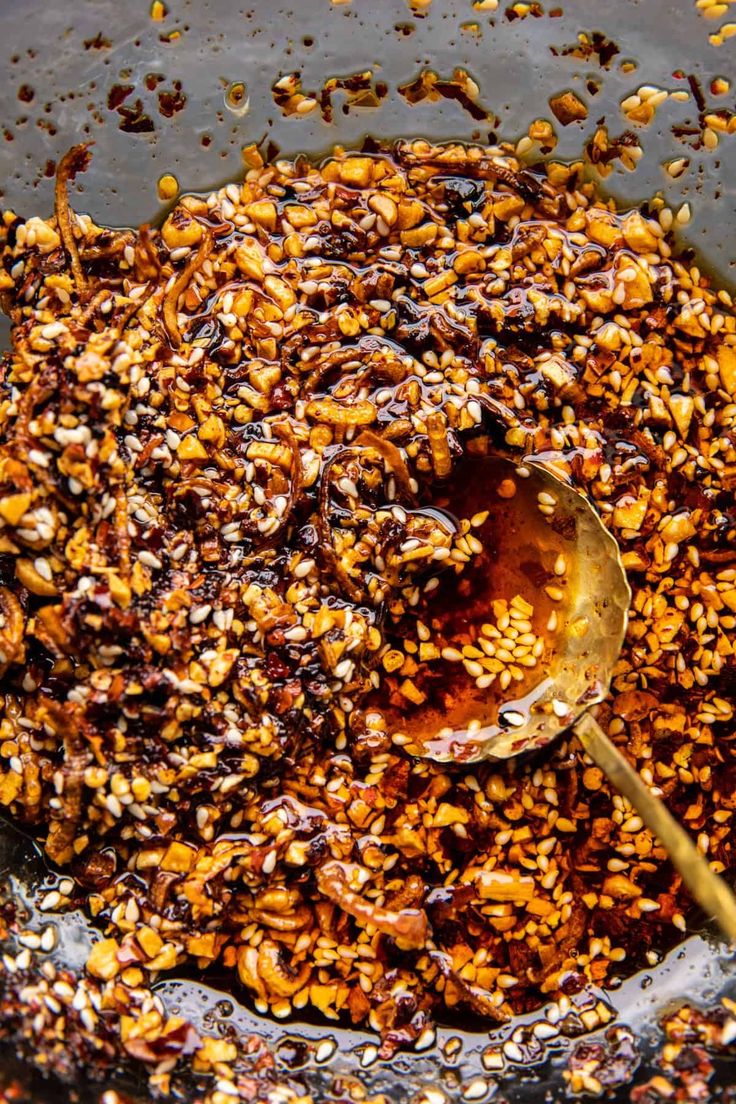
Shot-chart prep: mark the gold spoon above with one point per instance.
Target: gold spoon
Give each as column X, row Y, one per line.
column 592, row 600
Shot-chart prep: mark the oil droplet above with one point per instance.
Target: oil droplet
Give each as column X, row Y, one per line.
column 168, row 187
column 236, row 98
column 158, row 11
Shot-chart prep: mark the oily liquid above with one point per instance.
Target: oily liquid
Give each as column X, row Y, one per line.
column 520, row 548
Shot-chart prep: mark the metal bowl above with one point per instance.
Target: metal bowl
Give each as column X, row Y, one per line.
column 66, row 67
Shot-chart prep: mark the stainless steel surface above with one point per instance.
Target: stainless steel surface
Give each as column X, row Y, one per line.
column 222, row 41
column 42, row 45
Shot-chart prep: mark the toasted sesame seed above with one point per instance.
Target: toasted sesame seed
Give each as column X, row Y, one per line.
column 510, row 716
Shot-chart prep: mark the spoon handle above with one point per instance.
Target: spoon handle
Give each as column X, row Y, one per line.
column 710, row 890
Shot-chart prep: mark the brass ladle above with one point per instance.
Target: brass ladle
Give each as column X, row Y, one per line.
column 577, row 674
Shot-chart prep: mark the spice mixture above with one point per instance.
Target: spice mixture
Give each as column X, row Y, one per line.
column 223, row 579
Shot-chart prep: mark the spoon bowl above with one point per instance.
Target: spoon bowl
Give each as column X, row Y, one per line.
column 592, row 598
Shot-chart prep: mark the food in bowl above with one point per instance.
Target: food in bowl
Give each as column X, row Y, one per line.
column 245, row 464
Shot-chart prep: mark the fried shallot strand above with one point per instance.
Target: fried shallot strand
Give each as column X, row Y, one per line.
column 276, row 975
column 209, row 867
column 180, row 284
column 121, row 530
column 38, row 391
column 284, row 431
column 504, row 414
column 391, row 456
column 74, row 160
column 96, row 252
column 439, row 444
column 77, row 757
column 478, row 168
column 93, row 305
column 121, row 320
column 11, row 633
column 479, row 999
column 368, row 352
column 131, row 310
column 42, row 386
column 336, row 358
column 408, row 924
column 32, row 790
column 147, row 262
column 352, row 590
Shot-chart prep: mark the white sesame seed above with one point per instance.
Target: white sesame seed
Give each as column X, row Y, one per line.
column 149, row 559
column 31, row 940
column 113, row 805
column 476, row 1090
column 513, row 1051
column 52, row 330
column 200, row 614
column 510, row 716
column 683, row 216
column 325, row 1050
